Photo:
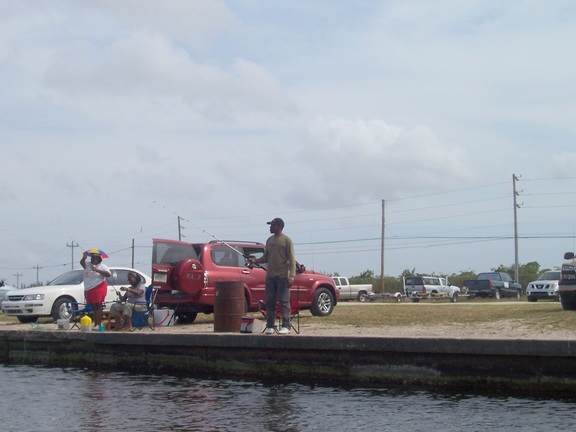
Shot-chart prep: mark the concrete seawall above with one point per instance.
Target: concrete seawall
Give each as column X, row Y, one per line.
column 536, row 367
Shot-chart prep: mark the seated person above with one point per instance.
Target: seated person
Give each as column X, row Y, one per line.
column 134, row 299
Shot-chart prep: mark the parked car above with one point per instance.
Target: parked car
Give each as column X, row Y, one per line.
column 29, row 304
column 186, row 274
column 546, row 287
column 349, row 291
column 493, row 284
column 417, row 287
column 5, row 289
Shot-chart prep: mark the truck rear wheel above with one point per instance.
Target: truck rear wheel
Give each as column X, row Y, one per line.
column 497, row 294
column 568, row 301
column 362, row 297
column 186, row 317
column 454, row 298
column 323, row 303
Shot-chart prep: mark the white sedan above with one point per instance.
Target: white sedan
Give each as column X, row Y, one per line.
column 29, row 304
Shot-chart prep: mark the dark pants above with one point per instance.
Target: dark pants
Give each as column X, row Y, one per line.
column 277, row 291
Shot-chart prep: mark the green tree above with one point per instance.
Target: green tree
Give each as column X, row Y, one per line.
column 458, row 279
column 408, row 272
column 366, row 277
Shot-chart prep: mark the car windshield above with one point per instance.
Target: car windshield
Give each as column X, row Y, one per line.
column 73, row 277
column 551, row 275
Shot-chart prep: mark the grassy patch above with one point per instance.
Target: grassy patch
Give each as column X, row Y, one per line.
column 543, row 315
column 538, row 314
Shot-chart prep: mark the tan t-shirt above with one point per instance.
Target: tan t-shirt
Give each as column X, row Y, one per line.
column 279, row 255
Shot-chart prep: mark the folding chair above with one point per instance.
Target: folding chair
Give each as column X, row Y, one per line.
column 294, row 313
column 141, row 319
column 76, row 311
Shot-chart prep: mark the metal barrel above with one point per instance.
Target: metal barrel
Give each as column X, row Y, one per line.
column 228, row 306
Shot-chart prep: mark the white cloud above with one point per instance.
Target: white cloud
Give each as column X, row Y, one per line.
column 194, row 23
column 562, row 165
column 147, row 76
column 371, row 160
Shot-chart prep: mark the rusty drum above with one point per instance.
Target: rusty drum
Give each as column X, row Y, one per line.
column 228, row 306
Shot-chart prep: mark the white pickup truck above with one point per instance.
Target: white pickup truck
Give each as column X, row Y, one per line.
column 351, row 292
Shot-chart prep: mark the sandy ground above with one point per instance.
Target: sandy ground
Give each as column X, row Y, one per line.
column 498, row 330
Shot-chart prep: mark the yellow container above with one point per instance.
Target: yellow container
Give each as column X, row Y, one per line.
column 85, row 323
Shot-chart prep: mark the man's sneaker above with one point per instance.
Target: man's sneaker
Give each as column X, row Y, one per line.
column 284, row 330
column 269, row 330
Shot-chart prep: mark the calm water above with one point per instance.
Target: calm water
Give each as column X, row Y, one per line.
column 50, row 399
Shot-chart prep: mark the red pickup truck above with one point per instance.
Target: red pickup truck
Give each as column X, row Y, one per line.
column 185, row 275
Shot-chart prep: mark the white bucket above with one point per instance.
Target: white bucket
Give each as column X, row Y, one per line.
column 63, row 324
column 163, row 317
column 86, row 328
column 247, row 324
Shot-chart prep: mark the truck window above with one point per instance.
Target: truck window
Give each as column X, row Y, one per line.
column 172, row 253
column 255, row 251
column 413, row 281
column 225, row 256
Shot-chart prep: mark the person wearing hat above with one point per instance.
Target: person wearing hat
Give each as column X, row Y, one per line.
column 280, row 272
column 95, row 285
column 134, row 299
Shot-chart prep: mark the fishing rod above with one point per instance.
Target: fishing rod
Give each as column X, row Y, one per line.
column 247, row 258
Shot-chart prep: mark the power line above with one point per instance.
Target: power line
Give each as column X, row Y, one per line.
column 37, row 267
column 72, row 246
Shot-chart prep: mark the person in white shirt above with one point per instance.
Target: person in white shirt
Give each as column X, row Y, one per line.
column 95, row 285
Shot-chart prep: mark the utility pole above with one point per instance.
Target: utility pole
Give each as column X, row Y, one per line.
column 179, row 230
column 382, row 245
column 72, row 246
column 18, row 279
column 132, row 253
column 37, row 267
column 516, row 207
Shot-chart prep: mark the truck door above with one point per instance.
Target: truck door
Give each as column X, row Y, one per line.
column 254, row 278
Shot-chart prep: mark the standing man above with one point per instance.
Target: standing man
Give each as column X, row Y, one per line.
column 95, row 285
column 281, row 269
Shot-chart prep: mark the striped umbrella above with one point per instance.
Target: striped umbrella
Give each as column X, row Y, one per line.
column 100, row 252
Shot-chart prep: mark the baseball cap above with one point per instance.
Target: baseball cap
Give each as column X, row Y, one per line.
column 276, row 221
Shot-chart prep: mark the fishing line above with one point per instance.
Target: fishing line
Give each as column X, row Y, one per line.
column 209, row 233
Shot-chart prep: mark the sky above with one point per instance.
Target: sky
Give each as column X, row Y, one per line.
column 423, row 126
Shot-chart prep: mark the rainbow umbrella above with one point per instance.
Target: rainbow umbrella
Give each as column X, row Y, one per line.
column 97, row 252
